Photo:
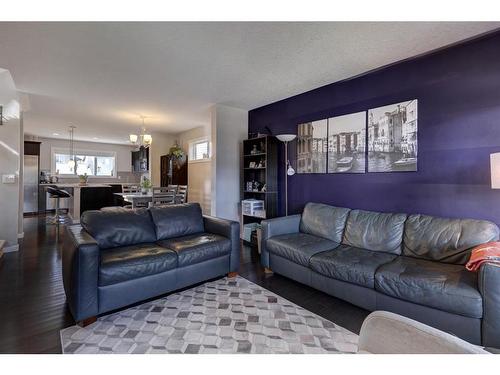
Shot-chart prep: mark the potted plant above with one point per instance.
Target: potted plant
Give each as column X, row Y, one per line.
column 146, row 185
column 176, row 154
column 176, row 151
column 83, row 179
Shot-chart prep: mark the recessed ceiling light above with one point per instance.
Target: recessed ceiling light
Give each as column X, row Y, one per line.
column 55, row 134
column 95, row 138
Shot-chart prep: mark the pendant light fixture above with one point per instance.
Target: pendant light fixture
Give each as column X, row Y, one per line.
column 71, row 161
column 143, row 139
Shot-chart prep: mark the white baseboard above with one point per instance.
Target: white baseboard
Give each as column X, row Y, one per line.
column 20, row 235
column 11, row 249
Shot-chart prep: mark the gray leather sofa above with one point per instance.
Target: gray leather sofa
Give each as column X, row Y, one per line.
column 117, row 258
column 412, row 265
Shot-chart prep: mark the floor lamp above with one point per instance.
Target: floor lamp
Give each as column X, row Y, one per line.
column 289, row 171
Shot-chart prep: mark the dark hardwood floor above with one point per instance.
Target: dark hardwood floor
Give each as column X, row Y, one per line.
column 32, row 301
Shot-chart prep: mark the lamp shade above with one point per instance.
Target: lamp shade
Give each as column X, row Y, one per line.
column 133, row 138
column 286, row 137
column 147, row 139
column 495, row 170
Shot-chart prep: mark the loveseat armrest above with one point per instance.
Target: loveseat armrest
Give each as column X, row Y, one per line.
column 384, row 332
column 80, row 262
column 276, row 227
column 489, row 286
column 229, row 229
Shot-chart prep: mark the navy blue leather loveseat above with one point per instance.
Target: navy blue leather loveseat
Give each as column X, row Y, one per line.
column 120, row 257
column 412, row 265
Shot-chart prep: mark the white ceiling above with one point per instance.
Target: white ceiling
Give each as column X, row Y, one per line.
column 101, row 76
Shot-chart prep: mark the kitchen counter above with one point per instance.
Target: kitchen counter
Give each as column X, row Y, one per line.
column 78, row 186
column 92, row 196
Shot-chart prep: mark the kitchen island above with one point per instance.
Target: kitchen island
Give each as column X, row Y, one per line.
column 87, row 197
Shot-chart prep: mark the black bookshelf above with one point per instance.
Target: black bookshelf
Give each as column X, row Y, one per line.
column 263, row 152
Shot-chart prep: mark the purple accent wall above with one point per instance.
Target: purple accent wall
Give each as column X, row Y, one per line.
column 458, row 92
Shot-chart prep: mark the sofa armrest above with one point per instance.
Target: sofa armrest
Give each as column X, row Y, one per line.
column 489, row 286
column 276, row 227
column 383, row 332
column 229, row 229
column 80, row 261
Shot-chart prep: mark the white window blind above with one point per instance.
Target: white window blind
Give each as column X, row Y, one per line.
column 200, row 150
column 92, row 163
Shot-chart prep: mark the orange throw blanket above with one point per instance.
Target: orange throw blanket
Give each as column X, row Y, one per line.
column 485, row 253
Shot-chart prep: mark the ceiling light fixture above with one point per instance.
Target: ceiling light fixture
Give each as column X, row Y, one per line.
column 143, row 139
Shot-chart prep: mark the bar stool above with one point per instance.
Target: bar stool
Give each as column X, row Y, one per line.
column 57, row 194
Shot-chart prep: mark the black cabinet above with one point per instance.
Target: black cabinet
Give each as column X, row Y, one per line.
column 174, row 171
column 31, row 148
column 140, row 160
column 95, row 198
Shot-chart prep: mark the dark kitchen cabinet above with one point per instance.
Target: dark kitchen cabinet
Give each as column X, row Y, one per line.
column 140, row 160
column 173, row 171
column 95, row 198
column 31, row 148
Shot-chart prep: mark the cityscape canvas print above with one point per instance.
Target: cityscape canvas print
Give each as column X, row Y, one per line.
column 347, row 143
column 312, row 147
column 392, row 138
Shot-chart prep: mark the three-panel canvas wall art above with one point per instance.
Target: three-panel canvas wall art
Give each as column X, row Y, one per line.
column 382, row 139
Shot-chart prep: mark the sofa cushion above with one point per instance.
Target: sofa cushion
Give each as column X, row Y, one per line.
column 445, row 240
column 132, row 262
column 375, row 231
column 119, row 228
column 447, row 287
column 299, row 247
column 177, row 220
column 324, row 221
column 350, row 264
column 197, row 248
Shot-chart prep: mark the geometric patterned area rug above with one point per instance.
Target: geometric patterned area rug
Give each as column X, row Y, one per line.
column 222, row 316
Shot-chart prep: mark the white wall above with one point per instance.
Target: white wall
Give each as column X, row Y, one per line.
column 199, row 172
column 161, row 146
column 10, row 161
column 123, row 152
column 20, row 221
column 229, row 127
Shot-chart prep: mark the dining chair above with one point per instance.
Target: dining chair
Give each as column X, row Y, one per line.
column 181, row 195
column 131, row 189
column 163, row 195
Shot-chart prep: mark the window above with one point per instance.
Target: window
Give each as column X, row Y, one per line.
column 199, row 150
column 92, row 163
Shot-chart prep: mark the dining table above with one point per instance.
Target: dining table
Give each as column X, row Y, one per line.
column 141, row 199
column 136, row 198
